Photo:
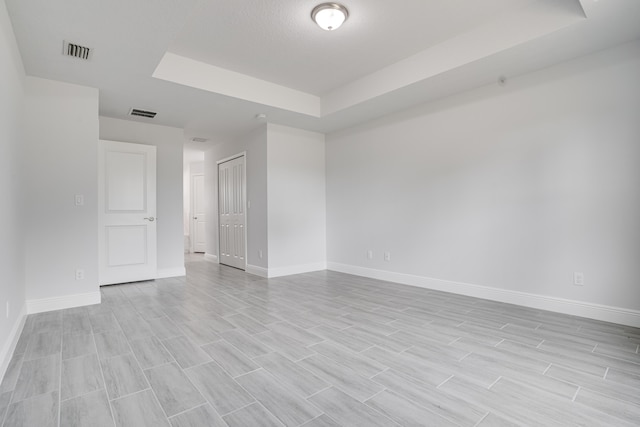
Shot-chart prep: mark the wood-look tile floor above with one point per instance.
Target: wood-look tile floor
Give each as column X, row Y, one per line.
column 224, row 348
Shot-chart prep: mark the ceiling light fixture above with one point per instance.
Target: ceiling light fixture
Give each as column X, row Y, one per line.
column 329, row 16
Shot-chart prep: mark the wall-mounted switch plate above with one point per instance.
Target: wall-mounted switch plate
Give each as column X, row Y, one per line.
column 387, row 256
column 578, row 278
column 79, row 200
column 369, row 254
column 260, row 253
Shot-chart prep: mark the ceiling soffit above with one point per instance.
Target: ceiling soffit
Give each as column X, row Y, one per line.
column 502, row 32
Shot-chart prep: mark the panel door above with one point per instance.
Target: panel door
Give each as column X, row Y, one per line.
column 127, row 212
column 198, row 222
column 231, row 211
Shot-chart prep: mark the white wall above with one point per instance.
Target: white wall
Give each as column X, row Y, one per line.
column 512, row 187
column 286, row 188
column 12, row 285
column 255, row 145
column 61, row 149
column 296, row 200
column 169, row 142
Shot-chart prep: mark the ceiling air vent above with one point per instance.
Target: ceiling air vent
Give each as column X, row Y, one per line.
column 142, row 113
column 198, row 139
column 75, row 50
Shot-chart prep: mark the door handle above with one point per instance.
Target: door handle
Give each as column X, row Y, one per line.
column 150, row 219
column 195, row 217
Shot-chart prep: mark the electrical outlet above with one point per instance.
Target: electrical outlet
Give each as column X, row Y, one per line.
column 79, row 274
column 369, row 254
column 387, row 256
column 578, row 278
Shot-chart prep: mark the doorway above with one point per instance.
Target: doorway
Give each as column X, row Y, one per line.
column 198, row 220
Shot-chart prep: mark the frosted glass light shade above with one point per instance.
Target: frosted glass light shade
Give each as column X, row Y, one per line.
column 329, row 16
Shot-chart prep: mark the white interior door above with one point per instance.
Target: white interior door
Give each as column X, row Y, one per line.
column 197, row 210
column 127, row 212
column 231, row 211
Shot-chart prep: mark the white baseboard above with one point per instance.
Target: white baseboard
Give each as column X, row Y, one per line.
column 257, row 271
column 165, row 273
column 211, row 257
column 284, row 271
column 605, row 313
column 296, row 269
column 11, row 342
column 60, row 303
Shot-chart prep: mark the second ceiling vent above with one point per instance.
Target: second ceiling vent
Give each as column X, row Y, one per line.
column 142, row 113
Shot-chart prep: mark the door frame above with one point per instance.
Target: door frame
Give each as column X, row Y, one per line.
column 242, row 154
column 192, row 222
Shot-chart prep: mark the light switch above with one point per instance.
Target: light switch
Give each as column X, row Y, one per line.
column 79, row 200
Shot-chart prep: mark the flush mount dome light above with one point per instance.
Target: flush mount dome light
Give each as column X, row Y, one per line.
column 329, row 16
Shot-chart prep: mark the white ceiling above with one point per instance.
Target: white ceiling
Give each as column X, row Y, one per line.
column 277, row 41
column 209, row 66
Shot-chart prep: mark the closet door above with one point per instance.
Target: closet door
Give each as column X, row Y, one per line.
column 232, row 213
